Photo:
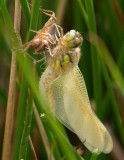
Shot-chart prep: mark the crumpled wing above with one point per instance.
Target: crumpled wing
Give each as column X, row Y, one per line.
column 72, row 107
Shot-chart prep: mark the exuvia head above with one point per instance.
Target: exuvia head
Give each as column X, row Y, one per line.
column 72, row 39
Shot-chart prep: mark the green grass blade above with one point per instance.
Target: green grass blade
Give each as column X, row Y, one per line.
column 95, row 57
column 12, row 35
column 116, row 31
column 94, row 155
column 6, row 16
column 120, row 60
column 83, row 11
column 26, row 130
column 26, row 11
column 20, row 118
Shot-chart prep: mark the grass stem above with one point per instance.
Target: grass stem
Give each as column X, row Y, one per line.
column 7, row 145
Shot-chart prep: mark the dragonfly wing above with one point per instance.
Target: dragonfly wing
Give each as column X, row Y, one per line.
column 80, row 115
column 53, row 93
column 57, row 90
column 68, row 98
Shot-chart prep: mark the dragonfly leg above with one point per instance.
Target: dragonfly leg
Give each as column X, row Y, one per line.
column 60, row 33
column 40, row 60
column 50, row 15
column 34, row 31
column 37, row 61
column 27, row 46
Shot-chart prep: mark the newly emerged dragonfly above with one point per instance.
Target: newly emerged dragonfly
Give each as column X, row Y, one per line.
column 64, row 88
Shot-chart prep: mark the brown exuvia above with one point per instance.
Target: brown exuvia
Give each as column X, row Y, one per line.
column 46, row 38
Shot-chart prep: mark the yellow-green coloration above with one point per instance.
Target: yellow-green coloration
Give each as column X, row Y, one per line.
column 57, row 69
column 65, row 63
column 63, row 86
column 66, row 58
column 69, row 52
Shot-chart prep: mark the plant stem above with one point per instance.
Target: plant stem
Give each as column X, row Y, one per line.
column 7, row 145
column 42, row 132
column 60, row 11
column 32, row 148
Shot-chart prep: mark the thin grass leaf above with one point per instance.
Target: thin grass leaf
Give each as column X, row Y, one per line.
column 83, row 12
column 115, row 32
column 15, row 43
column 94, row 155
column 26, row 130
column 120, row 59
column 95, row 62
column 26, row 11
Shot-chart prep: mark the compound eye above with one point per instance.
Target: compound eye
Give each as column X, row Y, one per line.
column 77, row 42
column 74, row 42
column 72, row 39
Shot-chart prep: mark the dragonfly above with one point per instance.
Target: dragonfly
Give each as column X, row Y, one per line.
column 63, row 86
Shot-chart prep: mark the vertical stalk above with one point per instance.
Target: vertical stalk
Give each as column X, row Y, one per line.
column 94, row 55
column 7, row 145
column 24, row 85
column 60, row 11
column 26, row 129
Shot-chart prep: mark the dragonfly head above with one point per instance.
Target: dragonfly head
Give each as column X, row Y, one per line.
column 72, row 39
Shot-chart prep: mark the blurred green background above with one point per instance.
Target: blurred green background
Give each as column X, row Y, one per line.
column 101, row 66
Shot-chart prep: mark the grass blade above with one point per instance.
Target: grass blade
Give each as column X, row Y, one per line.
column 26, row 130
column 95, row 63
column 94, row 155
column 26, row 11
column 7, row 145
